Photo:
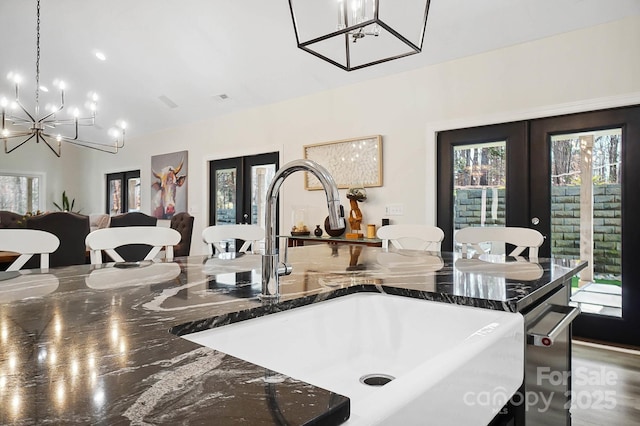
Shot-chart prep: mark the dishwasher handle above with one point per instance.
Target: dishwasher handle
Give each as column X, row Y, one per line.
column 539, row 339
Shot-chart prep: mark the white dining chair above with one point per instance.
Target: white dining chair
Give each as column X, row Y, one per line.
column 108, row 239
column 214, row 235
column 522, row 238
column 411, row 237
column 27, row 242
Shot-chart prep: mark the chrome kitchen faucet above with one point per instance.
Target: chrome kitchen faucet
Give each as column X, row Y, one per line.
column 271, row 266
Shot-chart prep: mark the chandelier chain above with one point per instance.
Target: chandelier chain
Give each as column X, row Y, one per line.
column 38, row 58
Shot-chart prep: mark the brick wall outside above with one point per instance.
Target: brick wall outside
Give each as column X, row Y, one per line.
column 565, row 221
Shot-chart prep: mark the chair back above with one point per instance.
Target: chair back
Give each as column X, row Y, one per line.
column 133, row 219
column 71, row 229
column 10, row 220
column 183, row 223
column 133, row 252
column 522, row 238
column 28, row 242
column 214, row 235
column 411, row 237
column 108, row 239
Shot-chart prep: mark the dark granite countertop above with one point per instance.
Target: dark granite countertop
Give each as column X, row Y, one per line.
column 91, row 345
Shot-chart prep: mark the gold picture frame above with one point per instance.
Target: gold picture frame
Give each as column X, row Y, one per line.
column 356, row 161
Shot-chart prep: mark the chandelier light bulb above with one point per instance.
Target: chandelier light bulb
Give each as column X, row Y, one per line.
column 76, row 112
column 123, row 125
column 17, row 79
column 5, row 132
column 44, row 88
column 61, row 85
column 4, row 102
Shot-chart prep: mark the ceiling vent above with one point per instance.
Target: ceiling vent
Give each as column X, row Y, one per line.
column 168, row 102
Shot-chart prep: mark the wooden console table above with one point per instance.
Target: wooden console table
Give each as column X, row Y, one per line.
column 298, row 241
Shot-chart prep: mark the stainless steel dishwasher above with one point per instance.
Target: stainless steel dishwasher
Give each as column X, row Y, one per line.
column 545, row 396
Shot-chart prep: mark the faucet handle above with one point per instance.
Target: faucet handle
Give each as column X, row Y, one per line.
column 285, row 267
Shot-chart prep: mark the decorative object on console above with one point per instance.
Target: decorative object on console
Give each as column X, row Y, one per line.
column 27, row 125
column 348, row 161
column 299, row 221
column 318, row 231
column 336, row 40
column 355, row 194
column 169, row 187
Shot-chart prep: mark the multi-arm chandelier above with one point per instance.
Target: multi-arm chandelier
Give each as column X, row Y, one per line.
column 354, row 34
column 20, row 126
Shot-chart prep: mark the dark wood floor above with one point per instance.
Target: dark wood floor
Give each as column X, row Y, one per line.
column 606, row 385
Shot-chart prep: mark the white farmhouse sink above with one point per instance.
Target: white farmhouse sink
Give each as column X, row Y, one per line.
column 452, row 363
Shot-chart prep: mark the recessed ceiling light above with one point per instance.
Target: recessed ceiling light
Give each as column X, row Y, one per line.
column 101, row 56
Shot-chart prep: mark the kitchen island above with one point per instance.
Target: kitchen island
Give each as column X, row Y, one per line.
column 91, row 344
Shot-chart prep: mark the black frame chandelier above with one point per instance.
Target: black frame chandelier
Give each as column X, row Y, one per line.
column 19, row 125
column 354, row 34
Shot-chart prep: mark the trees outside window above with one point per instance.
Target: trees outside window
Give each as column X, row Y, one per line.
column 20, row 193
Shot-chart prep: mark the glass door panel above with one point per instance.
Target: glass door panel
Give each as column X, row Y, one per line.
column 225, row 199
column 479, row 187
column 261, row 177
column 133, row 193
column 586, row 215
column 115, row 196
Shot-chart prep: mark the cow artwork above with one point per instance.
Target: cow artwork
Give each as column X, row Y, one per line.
column 169, row 181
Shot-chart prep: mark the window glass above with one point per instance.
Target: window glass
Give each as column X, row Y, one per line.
column 20, row 193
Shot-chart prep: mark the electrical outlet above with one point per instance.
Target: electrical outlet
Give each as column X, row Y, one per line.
column 394, row 210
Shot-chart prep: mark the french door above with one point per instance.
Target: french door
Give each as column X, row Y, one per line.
column 238, row 188
column 123, row 192
column 574, row 178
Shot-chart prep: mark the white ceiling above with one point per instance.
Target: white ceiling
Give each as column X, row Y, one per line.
column 192, row 50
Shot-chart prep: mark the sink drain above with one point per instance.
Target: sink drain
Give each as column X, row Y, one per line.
column 376, row 379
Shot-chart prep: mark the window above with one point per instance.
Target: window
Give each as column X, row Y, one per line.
column 123, row 192
column 20, row 193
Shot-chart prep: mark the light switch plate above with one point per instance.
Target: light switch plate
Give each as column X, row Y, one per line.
column 394, row 210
